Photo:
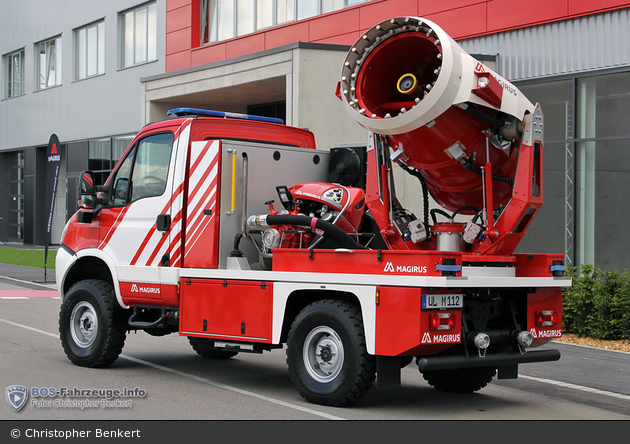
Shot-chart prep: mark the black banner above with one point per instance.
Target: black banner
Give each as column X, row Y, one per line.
column 53, row 162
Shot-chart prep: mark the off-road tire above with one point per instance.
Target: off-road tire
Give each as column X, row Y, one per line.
column 465, row 380
column 205, row 347
column 92, row 326
column 327, row 355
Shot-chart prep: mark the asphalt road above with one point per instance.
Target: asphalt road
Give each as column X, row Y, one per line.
column 586, row 384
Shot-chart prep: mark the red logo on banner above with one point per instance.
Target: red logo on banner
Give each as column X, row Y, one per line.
column 54, row 149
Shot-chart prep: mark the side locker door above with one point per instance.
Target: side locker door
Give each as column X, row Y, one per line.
column 141, row 198
column 201, row 246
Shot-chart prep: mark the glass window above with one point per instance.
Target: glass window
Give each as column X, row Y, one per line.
column 285, row 11
column 139, row 35
column 264, row 13
column 586, row 140
column 16, row 196
column 49, row 63
column 119, row 145
column 150, row 170
column 90, row 56
column 553, row 228
column 306, row 8
column 224, row 19
column 332, row 5
column 14, row 74
column 99, row 155
column 244, row 17
column 556, row 101
column 120, row 192
column 144, row 171
column 603, row 102
column 601, row 172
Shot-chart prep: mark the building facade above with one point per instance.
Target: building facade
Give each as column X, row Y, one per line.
column 70, row 68
column 95, row 75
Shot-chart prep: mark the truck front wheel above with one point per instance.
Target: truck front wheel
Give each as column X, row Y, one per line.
column 92, row 326
column 327, row 356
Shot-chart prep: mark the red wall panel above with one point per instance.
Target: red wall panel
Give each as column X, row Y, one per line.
column 334, row 24
column 246, row 45
column 179, row 19
column 174, row 4
column 178, row 41
column 376, row 11
column 208, row 54
column 504, row 14
column 462, row 22
column 459, row 18
column 180, row 60
column 283, row 35
column 579, row 7
column 425, row 7
column 343, row 39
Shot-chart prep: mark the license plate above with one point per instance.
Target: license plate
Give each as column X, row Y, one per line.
column 440, row 301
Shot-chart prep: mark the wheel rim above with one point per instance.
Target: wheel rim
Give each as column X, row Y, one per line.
column 83, row 324
column 323, row 354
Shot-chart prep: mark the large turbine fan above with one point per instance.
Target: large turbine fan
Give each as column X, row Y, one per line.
column 344, row 167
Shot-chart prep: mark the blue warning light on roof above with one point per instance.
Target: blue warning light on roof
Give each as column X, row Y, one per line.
column 210, row 113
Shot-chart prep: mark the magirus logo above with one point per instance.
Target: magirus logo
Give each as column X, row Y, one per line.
column 545, row 333
column 441, row 338
column 17, row 396
column 139, row 289
column 418, row 269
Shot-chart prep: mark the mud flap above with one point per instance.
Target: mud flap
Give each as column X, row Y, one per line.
column 507, row 371
column 388, row 372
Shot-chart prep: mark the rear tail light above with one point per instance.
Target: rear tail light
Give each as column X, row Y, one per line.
column 442, row 321
column 547, row 318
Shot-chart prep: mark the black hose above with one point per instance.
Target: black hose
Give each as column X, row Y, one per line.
column 472, row 166
column 505, row 179
column 472, row 109
column 442, row 212
column 333, row 231
column 465, row 208
column 425, row 198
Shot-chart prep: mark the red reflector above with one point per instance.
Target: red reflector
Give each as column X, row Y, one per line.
column 546, row 318
column 442, row 321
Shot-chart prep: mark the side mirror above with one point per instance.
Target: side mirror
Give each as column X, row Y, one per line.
column 87, row 192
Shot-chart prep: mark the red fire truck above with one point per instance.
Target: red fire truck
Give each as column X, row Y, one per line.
column 234, row 231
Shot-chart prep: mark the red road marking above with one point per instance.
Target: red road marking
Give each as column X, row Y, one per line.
column 28, row 294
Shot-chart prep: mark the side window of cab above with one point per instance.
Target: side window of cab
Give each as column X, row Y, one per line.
column 144, row 171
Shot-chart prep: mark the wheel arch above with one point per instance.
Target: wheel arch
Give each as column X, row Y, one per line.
column 287, row 305
column 88, row 265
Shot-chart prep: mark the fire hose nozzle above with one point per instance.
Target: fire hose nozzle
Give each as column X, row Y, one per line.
column 257, row 221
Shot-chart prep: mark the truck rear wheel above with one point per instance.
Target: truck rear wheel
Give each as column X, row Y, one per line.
column 464, row 380
column 205, row 347
column 327, row 356
column 92, row 326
